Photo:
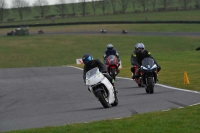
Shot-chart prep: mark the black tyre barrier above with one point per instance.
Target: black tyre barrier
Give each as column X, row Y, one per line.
column 105, row 22
column 198, row 48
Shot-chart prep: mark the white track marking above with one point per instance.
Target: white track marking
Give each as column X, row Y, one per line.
column 165, row 86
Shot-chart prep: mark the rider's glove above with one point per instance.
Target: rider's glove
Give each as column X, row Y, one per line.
column 158, row 68
column 104, row 71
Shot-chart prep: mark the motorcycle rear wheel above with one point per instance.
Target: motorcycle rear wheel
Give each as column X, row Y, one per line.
column 116, row 101
column 102, row 99
column 139, row 85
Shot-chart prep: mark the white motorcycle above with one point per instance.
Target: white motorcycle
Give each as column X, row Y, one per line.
column 101, row 87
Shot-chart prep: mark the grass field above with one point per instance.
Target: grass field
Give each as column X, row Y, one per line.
column 137, row 12
column 114, row 27
column 192, row 15
column 174, row 54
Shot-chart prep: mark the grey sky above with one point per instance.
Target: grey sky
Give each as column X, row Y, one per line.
column 51, row 2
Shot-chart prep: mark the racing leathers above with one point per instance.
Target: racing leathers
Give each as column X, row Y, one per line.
column 136, row 59
column 102, row 68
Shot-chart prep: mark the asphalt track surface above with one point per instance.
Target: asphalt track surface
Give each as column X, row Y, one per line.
column 137, row 33
column 53, row 96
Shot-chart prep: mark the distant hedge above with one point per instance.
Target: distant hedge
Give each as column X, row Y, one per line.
column 107, row 22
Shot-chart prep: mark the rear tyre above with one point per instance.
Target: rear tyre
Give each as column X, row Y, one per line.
column 103, row 99
column 116, row 100
column 140, row 84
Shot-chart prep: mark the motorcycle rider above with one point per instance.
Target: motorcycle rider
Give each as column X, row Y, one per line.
column 89, row 64
column 111, row 51
column 123, row 31
column 136, row 59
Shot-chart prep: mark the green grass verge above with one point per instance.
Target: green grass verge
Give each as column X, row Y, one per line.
column 174, row 54
column 175, row 121
column 114, row 28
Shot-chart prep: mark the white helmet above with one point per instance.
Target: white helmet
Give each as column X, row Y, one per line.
column 109, row 47
column 139, row 45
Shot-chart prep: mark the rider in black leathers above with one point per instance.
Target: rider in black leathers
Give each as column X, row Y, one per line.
column 90, row 64
column 137, row 56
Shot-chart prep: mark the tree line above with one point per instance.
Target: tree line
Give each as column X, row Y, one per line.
column 62, row 7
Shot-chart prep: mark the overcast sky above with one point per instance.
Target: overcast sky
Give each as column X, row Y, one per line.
column 51, row 2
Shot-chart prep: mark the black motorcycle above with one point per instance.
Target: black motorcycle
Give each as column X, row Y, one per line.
column 103, row 31
column 124, row 32
column 149, row 74
column 40, row 32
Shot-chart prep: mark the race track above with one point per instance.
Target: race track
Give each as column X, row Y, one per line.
column 52, row 96
column 137, row 33
column 132, row 33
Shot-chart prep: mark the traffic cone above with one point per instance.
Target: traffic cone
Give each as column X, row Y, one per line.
column 186, row 80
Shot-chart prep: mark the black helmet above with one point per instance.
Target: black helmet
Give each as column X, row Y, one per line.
column 109, row 47
column 139, row 46
column 87, row 58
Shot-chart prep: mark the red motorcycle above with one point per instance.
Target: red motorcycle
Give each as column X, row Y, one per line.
column 137, row 80
column 112, row 65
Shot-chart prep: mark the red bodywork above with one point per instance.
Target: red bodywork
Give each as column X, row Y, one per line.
column 137, row 80
column 112, row 65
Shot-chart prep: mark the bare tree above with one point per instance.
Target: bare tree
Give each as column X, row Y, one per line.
column 73, row 6
column 3, row 10
column 153, row 2
column 143, row 3
column 22, row 7
column 113, row 4
column 83, row 5
column 166, row 3
column 103, row 4
column 133, row 4
column 124, row 5
column 94, row 6
column 61, row 7
column 185, row 3
column 197, row 3
column 42, row 7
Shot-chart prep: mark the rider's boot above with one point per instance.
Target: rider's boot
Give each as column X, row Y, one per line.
column 118, row 71
column 133, row 76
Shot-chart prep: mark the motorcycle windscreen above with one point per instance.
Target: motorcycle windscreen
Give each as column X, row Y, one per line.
column 92, row 72
column 93, row 76
column 112, row 60
column 148, row 62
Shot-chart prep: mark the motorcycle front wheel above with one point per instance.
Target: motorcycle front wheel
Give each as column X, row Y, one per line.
column 113, row 71
column 150, row 85
column 103, row 99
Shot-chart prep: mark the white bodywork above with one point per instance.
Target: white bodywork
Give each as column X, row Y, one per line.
column 94, row 77
column 149, row 68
